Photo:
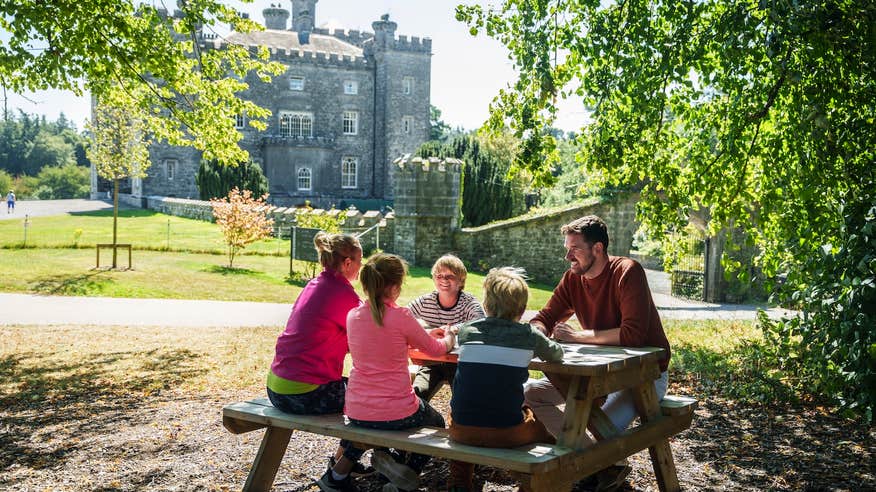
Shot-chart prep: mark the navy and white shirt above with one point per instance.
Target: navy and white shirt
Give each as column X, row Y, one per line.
column 428, row 309
column 494, row 356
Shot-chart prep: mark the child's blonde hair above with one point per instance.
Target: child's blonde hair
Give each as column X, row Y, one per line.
column 505, row 293
column 382, row 271
column 453, row 264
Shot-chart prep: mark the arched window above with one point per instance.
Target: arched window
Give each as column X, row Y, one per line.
column 294, row 124
column 349, row 166
column 304, row 179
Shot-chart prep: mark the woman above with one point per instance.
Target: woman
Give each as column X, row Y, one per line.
column 446, row 305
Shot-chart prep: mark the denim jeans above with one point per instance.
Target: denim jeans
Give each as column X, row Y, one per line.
column 327, row 398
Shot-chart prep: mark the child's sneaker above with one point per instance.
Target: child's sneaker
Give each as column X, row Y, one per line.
column 612, row 478
column 329, row 484
column 399, row 474
column 359, row 470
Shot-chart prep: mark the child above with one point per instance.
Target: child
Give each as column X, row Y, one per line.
column 379, row 392
column 447, row 305
column 486, row 408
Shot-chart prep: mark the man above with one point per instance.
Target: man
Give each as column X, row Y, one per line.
column 612, row 301
column 10, row 202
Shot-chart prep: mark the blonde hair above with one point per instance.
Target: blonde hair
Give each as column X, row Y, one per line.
column 453, row 264
column 505, row 293
column 381, row 272
column 333, row 249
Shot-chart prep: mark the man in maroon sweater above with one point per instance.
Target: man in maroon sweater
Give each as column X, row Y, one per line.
column 612, row 301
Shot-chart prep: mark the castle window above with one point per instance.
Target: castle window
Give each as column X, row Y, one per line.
column 239, row 121
column 351, row 122
column 349, row 175
column 294, row 124
column 304, row 181
column 169, row 169
column 296, row 83
column 408, row 85
column 407, row 124
column 351, row 87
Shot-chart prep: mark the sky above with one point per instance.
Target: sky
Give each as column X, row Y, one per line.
column 467, row 71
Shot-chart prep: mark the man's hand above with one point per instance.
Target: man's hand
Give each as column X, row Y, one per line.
column 564, row 332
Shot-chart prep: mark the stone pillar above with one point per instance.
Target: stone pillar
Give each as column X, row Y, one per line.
column 426, row 207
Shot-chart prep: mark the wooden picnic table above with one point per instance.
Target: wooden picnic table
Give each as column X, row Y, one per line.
column 588, row 373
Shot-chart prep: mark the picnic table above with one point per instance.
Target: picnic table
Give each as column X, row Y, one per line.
column 592, row 371
column 588, row 373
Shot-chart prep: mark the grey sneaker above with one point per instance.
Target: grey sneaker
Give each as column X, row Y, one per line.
column 328, row 484
column 359, row 470
column 612, row 478
column 399, row 474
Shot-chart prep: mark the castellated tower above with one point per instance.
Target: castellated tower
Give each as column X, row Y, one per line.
column 303, row 15
column 426, row 207
column 402, row 96
column 276, row 17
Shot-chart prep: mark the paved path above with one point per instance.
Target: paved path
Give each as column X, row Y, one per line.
column 26, row 309
column 42, row 208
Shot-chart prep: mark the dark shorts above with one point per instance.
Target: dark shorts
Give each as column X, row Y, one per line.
column 327, row 398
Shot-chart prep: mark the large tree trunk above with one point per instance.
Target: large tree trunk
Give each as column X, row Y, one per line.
column 115, row 218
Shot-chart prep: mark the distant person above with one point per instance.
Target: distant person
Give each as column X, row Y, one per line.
column 611, row 299
column 494, row 354
column 306, row 374
column 447, row 305
column 379, row 394
column 10, row 202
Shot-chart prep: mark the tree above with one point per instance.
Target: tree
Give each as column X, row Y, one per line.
column 48, row 150
column 438, row 130
column 187, row 94
column 753, row 115
column 487, row 193
column 120, row 149
column 242, row 220
column 215, row 180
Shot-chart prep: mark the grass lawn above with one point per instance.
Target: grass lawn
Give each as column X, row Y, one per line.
column 175, row 275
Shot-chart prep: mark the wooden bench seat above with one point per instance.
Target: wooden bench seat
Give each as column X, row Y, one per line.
column 533, row 460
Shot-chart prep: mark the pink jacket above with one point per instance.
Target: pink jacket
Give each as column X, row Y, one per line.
column 379, row 388
column 312, row 347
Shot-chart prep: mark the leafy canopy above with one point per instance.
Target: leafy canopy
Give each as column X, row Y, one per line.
column 187, row 94
column 750, row 114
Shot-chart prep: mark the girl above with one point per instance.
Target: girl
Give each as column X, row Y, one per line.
column 379, row 394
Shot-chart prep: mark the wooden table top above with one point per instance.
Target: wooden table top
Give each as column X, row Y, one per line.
column 578, row 359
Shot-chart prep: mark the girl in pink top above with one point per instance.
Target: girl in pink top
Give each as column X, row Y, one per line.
column 379, row 392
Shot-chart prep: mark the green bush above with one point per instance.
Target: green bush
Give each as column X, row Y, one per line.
column 831, row 346
column 5, row 183
column 59, row 182
column 215, row 180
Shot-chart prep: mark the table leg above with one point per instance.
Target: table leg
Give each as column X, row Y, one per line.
column 648, row 407
column 267, row 461
column 580, row 392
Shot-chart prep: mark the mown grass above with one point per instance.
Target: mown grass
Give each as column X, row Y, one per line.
column 143, row 229
column 174, row 275
column 45, row 362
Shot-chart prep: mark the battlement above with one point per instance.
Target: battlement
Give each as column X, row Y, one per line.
column 402, row 43
column 353, row 36
column 408, row 163
column 297, row 55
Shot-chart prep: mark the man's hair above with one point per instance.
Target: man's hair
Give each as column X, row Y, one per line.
column 505, row 293
column 453, row 264
column 591, row 227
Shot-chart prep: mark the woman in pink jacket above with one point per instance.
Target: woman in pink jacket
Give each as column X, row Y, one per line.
column 379, row 393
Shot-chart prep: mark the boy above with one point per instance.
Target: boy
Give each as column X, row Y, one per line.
column 486, row 408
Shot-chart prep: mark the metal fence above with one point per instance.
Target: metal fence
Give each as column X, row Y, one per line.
column 688, row 277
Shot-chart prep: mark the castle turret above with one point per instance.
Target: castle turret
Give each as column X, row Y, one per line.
column 303, row 15
column 384, row 32
column 275, row 17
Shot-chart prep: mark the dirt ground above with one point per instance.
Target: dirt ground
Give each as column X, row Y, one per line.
column 171, row 441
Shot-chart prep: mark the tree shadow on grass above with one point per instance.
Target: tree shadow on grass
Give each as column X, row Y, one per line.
column 87, row 397
column 752, row 431
column 72, row 284
column 225, row 270
column 124, row 211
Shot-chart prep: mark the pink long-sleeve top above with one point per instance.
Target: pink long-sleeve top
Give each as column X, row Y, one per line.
column 312, row 347
column 379, row 388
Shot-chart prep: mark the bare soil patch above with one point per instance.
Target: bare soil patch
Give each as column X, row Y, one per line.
column 168, row 440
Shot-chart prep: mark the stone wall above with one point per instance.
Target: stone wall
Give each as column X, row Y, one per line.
column 535, row 243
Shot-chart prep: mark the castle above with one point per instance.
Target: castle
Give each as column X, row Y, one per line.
column 349, row 103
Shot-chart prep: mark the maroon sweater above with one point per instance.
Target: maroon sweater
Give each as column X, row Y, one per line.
column 618, row 298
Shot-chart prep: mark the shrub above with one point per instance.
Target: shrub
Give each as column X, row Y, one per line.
column 216, row 180
column 242, row 220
